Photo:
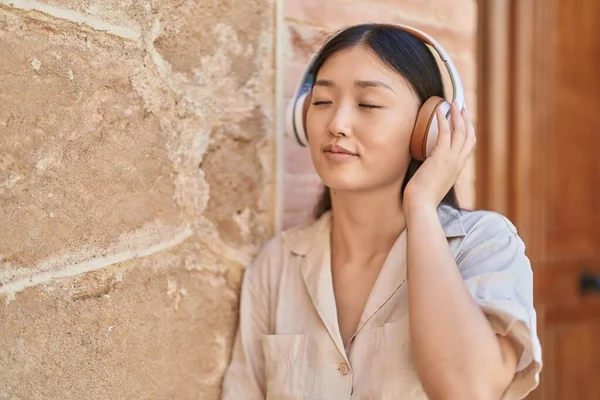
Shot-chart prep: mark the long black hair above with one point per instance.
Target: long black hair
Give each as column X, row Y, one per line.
column 404, row 53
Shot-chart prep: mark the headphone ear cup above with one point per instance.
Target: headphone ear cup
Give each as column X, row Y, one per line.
column 425, row 132
column 295, row 118
column 306, row 101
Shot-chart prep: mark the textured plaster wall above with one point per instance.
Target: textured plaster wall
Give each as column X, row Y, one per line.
column 137, row 174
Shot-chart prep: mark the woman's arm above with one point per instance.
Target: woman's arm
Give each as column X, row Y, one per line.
column 457, row 354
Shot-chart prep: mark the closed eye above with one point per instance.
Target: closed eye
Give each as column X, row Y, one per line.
column 369, row 106
column 320, row 103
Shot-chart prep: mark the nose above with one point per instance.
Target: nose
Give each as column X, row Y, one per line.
column 340, row 123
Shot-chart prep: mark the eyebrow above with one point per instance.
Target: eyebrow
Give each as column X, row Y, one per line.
column 360, row 84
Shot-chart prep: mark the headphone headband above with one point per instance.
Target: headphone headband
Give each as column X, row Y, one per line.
column 296, row 110
column 457, row 88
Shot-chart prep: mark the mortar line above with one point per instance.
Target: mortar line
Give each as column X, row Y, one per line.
column 91, row 265
column 75, row 17
column 280, row 110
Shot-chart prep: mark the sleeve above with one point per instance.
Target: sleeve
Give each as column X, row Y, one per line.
column 245, row 376
column 498, row 275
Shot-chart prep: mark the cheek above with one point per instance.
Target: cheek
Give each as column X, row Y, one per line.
column 387, row 136
column 315, row 126
column 314, row 131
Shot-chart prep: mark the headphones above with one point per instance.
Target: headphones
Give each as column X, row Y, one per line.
column 425, row 131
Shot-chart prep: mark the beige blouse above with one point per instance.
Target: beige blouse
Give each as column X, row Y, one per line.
column 288, row 344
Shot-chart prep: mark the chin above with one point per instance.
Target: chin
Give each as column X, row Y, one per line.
column 356, row 182
column 343, row 183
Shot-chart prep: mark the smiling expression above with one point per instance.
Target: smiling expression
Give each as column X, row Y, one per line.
column 359, row 122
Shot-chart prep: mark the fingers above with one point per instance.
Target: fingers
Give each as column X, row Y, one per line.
column 469, row 143
column 459, row 128
column 443, row 139
column 460, row 138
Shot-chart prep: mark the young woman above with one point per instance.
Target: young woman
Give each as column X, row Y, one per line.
column 393, row 292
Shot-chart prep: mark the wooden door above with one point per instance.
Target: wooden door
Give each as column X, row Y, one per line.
column 538, row 160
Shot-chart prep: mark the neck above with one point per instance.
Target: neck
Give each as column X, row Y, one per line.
column 365, row 224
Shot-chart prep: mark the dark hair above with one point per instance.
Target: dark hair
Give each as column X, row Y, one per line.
column 404, row 53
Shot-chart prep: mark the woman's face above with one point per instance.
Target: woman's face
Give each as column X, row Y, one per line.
column 362, row 107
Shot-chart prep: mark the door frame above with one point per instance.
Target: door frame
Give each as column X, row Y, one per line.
column 514, row 59
column 514, row 63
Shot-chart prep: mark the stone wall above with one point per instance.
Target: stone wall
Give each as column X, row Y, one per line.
column 309, row 22
column 137, row 174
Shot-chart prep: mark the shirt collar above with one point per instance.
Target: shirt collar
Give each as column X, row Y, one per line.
column 303, row 238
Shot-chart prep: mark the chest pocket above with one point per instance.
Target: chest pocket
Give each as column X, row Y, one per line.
column 393, row 375
column 285, row 366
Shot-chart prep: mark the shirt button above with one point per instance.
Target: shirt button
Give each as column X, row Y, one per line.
column 343, row 368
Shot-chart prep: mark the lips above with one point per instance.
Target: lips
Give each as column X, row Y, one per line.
column 337, row 149
column 337, row 154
